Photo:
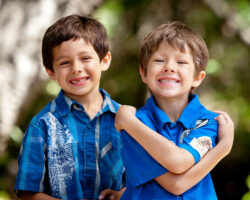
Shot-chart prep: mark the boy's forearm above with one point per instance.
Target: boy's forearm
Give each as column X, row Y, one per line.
column 178, row 184
column 170, row 156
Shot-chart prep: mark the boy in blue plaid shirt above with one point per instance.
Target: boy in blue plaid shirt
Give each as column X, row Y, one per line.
column 71, row 149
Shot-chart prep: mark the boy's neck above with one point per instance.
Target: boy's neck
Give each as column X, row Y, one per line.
column 92, row 103
column 172, row 107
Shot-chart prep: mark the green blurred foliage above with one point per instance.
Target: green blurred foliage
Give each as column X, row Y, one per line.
column 226, row 86
column 247, row 195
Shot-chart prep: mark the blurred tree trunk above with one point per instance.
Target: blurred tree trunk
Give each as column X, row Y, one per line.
column 234, row 23
column 22, row 76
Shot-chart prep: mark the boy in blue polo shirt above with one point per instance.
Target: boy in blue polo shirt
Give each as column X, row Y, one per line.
column 71, row 149
column 172, row 64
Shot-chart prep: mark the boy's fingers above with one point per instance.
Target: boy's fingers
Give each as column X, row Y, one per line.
column 112, row 197
column 104, row 194
column 219, row 112
column 221, row 119
column 224, row 114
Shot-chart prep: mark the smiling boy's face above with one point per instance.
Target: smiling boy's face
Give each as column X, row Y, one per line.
column 77, row 68
column 170, row 72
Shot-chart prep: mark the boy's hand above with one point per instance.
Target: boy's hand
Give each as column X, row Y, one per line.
column 226, row 130
column 123, row 115
column 111, row 194
column 108, row 194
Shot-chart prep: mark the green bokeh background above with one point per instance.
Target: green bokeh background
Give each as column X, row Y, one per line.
column 226, row 86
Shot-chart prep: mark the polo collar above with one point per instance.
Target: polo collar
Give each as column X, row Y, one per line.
column 159, row 115
column 188, row 117
column 65, row 104
column 192, row 112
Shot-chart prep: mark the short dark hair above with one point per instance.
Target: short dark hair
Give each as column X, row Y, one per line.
column 177, row 35
column 74, row 27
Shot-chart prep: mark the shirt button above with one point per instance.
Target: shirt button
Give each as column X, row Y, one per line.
column 88, row 182
column 89, row 126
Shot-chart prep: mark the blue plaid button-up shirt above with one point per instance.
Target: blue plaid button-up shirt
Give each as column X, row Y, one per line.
column 69, row 156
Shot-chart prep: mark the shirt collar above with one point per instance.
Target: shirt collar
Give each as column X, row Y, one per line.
column 160, row 117
column 65, row 103
column 108, row 104
column 188, row 117
column 192, row 112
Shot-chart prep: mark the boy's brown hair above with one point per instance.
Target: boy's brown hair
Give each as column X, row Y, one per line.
column 74, row 27
column 177, row 35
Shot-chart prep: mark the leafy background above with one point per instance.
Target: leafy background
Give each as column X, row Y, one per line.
column 25, row 88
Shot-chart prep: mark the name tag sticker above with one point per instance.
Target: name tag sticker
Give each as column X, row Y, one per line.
column 202, row 144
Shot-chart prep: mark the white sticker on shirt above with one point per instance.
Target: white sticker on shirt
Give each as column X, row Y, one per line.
column 202, row 145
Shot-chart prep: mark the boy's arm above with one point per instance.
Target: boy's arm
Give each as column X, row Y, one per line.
column 170, row 156
column 26, row 195
column 178, row 184
column 31, row 164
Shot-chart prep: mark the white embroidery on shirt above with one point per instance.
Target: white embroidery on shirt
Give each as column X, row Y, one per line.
column 201, row 144
column 199, row 123
column 60, row 156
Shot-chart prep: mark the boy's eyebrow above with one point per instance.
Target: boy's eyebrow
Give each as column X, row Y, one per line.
column 61, row 57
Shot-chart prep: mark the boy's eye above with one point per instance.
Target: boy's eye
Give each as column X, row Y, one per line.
column 64, row 63
column 85, row 58
column 182, row 62
column 159, row 60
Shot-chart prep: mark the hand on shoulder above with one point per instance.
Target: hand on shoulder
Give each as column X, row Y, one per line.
column 225, row 130
column 124, row 114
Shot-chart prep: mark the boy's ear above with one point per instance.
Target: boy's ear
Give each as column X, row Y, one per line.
column 106, row 61
column 142, row 73
column 51, row 74
column 199, row 78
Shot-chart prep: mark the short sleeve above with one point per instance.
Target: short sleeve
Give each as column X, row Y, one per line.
column 31, row 167
column 201, row 139
column 140, row 167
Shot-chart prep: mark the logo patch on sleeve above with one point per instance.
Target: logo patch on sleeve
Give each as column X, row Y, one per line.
column 202, row 144
column 199, row 123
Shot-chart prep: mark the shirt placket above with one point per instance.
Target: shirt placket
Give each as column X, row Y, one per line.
column 89, row 159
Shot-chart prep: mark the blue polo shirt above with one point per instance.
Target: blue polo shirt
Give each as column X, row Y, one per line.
column 195, row 131
column 69, row 156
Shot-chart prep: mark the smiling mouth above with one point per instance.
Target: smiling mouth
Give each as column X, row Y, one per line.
column 168, row 81
column 79, row 81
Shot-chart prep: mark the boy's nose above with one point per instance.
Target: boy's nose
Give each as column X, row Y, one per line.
column 169, row 67
column 76, row 68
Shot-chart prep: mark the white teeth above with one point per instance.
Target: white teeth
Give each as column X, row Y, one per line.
column 77, row 81
column 168, row 81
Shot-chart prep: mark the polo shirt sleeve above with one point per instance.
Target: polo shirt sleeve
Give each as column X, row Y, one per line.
column 140, row 167
column 31, row 161
column 200, row 139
